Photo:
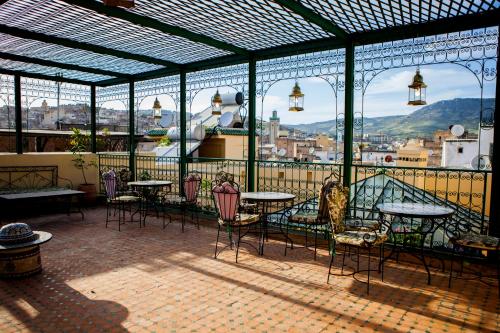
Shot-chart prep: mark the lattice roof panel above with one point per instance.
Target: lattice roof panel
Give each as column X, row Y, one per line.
column 47, row 51
column 366, row 15
column 250, row 24
column 56, row 18
column 53, row 71
column 209, row 28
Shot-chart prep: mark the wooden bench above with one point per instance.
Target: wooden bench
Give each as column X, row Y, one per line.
column 21, row 186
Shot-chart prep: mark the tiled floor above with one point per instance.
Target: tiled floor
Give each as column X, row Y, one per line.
column 154, row 280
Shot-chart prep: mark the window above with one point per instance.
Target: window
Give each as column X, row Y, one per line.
column 460, row 150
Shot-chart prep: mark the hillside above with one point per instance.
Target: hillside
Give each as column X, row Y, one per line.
column 421, row 122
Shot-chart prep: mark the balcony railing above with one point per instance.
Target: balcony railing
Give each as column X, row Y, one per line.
column 466, row 191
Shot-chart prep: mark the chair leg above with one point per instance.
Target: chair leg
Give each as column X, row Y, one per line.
column 286, row 237
column 183, row 220
column 217, row 241
column 343, row 259
column 369, row 259
column 451, row 266
column 357, row 260
column 381, row 261
column 238, row 244
column 332, row 258
column 107, row 214
column 315, row 242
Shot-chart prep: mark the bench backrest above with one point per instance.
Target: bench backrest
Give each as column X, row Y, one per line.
column 19, row 178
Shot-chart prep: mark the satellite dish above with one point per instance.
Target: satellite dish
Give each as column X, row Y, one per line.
column 166, row 120
column 480, row 163
column 282, row 152
column 226, row 119
column 311, row 150
column 457, row 130
column 388, row 158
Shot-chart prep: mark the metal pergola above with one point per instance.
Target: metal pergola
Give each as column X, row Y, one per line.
column 88, row 43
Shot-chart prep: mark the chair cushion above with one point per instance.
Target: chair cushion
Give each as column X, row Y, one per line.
column 174, row 199
column 307, row 217
column 244, row 219
column 483, row 242
column 126, row 198
column 247, row 207
column 357, row 238
column 361, row 225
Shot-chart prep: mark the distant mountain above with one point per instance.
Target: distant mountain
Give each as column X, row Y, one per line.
column 422, row 122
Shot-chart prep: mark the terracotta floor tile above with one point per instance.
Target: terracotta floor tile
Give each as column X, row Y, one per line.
column 153, row 280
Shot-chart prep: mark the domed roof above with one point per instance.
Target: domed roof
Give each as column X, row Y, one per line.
column 16, row 233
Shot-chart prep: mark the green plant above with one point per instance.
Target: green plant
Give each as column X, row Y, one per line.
column 144, row 175
column 206, row 184
column 164, row 142
column 78, row 145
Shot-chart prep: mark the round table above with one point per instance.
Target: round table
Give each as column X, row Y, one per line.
column 402, row 225
column 266, row 199
column 149, row 197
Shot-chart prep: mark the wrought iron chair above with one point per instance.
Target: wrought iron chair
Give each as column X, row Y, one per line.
column 317, row 218
column 226, row 198
column 466, row 242
column 188, row 201
column 245, row 207
column 116, row 200
column 337, row 201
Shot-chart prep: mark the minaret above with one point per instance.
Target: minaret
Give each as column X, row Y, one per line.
column 274, row 127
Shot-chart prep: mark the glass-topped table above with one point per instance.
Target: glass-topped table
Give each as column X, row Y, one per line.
column 148, row 190
column 409, row 224
column 266, row 200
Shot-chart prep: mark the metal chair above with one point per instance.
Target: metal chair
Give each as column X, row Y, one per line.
column 337, row 201
column 317, row 218
column 116, row 200
column 188, row 201
column 245, row 207
column 226, row 197
column 472, row 245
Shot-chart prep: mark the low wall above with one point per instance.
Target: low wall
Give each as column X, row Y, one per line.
column 62, row 160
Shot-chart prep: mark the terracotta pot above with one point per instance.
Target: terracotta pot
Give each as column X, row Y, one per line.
column 90, row 193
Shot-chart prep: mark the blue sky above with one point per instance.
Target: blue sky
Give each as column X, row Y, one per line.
column 386, row 95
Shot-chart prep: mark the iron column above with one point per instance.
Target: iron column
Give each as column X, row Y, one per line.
column 183, row 117
column 495, row 165
column 93, row 125
column 131, row 129
column 252, row 88
column 349, row 112
column 18, row 114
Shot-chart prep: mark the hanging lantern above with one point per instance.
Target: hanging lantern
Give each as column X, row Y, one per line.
column 296, row 103
column 217, row 104
column 416, row 92
column 156, row 110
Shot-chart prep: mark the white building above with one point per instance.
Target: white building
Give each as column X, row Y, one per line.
column 469, row 153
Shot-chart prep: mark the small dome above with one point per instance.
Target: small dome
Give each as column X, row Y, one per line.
column 15, row 233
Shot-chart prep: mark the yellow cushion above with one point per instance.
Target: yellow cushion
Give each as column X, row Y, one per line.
column 483, row 242
column 126, row 198
column 360, row 238
column 361, row 225
column 244, row 219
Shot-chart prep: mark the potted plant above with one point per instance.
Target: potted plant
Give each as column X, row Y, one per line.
column 78, row 145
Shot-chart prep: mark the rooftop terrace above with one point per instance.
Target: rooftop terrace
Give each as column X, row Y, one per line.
column 154, row 280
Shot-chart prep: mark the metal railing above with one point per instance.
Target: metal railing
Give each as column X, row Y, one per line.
column 466, row 191
column 300, row 178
